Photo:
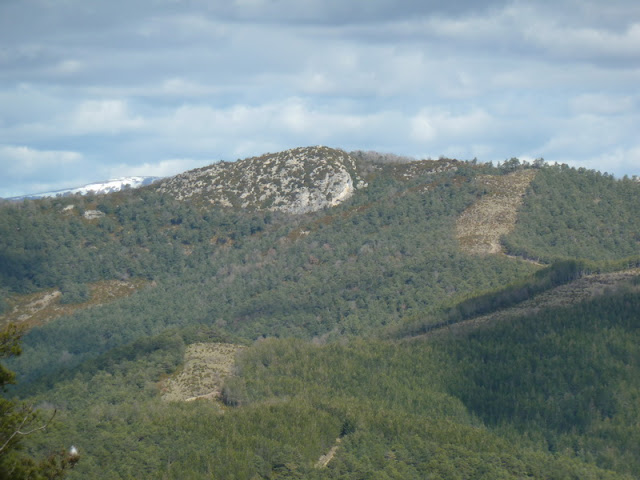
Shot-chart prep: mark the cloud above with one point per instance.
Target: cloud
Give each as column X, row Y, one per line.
column 182, row 87
column 22, row 160
column 205, row 127
column 429, row 125
column 161, row 82
column 183, row 27
column 584, row 134
column 590, row 43
column 566, row 32
column 340, row 12
column 618, row 161
column 67, row 67
column 602, row 104
column 29, row 170
column 163, row 168
column 103, row 116
column 422, row 129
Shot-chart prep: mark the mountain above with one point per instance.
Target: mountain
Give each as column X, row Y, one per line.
column 97, row 188
column 300, row 180
column 322, row 314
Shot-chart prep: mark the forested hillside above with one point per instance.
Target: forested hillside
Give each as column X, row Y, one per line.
column 339, row 378
column 577, row 214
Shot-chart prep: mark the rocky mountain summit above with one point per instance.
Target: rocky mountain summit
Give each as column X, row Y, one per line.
column 299, row 180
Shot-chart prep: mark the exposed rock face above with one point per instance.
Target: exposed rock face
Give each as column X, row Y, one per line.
column 93, row 214
column 300, row 180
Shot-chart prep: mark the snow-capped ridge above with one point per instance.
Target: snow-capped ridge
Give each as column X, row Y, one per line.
column 97, row 188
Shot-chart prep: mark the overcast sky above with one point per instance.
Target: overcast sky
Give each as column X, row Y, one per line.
column 91, row 90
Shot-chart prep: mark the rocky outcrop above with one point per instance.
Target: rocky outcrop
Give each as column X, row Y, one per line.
column 300, row 180
column 93, row 214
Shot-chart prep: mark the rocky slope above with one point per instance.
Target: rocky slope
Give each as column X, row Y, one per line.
column 300, row 180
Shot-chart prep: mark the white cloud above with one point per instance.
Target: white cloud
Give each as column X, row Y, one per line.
column 125, row 84
column 585, row 134
column 23, row 160
column 163, row 168
column 494, row 26
column 182, row 87
column 30, row 170
column 585, row 42
column 67, row 67
column 422, row 129
column 187, row 25
column 103, row 116
column 250, row 4
column 602, row 104
column 430, row 125
column 566, row 31
column 272, row 118
column 617, row 161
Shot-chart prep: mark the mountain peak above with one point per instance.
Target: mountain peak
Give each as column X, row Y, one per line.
column 300, row 180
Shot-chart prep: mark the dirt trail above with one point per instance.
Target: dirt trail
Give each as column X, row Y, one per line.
column 480, row 226
column 324, row 460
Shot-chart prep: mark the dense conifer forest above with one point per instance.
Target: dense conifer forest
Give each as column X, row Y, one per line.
column 350, row 366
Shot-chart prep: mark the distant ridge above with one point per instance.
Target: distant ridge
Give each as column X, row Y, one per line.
column 98, row 188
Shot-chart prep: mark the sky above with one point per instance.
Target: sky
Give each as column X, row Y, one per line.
column 95, row 89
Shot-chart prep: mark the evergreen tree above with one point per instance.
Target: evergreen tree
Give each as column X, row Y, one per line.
column 18, row 421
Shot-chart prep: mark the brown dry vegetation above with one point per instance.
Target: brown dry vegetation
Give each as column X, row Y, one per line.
column 324, row 460
column 480, row 226
column 206, row 365
column 41, row 307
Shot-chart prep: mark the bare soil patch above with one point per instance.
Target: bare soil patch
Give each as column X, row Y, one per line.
column 324, row 460
column 41, row 307
column 480, row 226
column 206, row 365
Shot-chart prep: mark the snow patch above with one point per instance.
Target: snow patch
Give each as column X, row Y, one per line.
column 97, row 188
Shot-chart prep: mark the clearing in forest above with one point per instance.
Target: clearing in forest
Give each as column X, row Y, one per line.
column 324, row 460
column 41, row 307
column 480, row 226
column 206, row 365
